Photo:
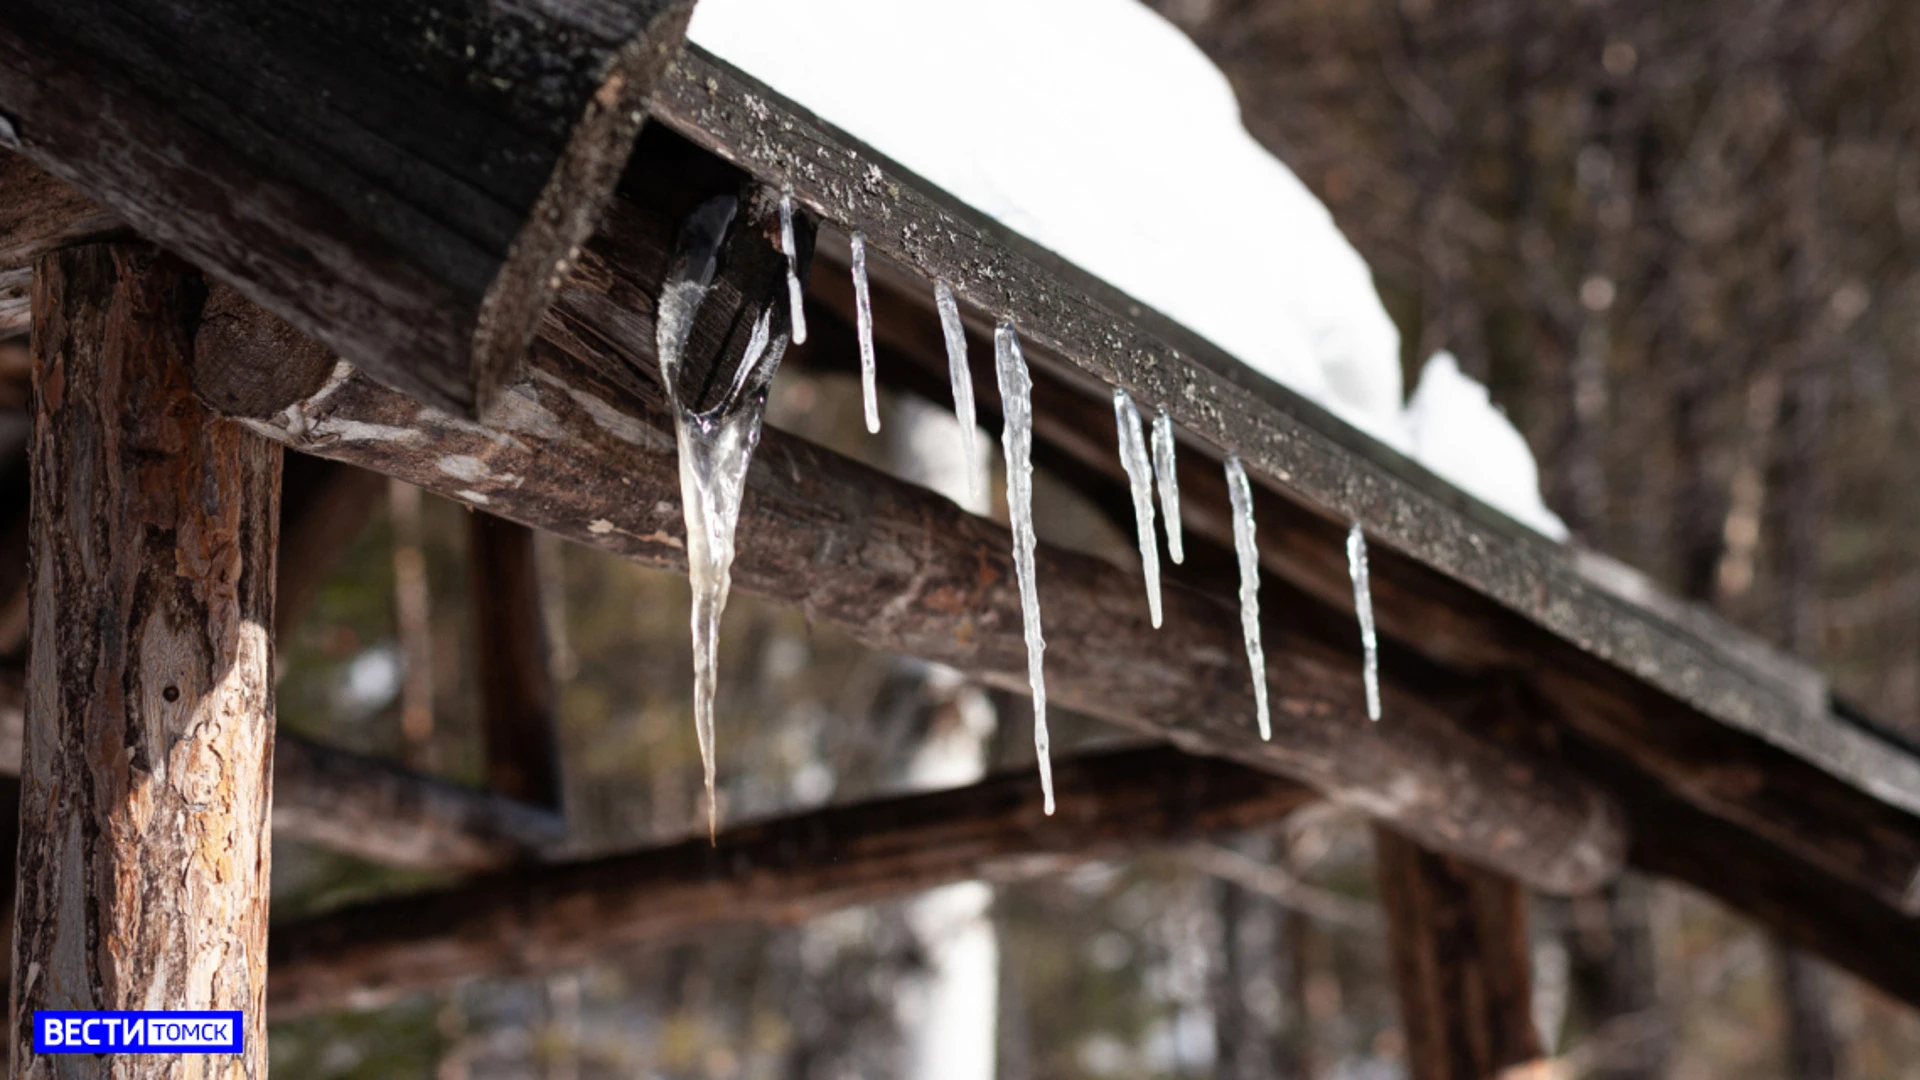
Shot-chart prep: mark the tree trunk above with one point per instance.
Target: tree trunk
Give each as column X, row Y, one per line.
column 1461, row 963
column 146, row 783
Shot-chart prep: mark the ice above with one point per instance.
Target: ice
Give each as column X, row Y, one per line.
column 962, row 378
column 1363, row 609
column 1169, row 483
column 715, row 447
column 1133, row 456
column 1016, row 405
column 1246, row 547
column 795, row 297
column 863, row 307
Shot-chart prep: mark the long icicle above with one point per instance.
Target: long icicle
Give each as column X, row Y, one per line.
column 796, row 299
column 1363, row 608
column 863, row 312
column 1133, row 457
column 714, row 449
column 962, row 379
column 1246, row 547
column 1016, row 405
column 1169, row 483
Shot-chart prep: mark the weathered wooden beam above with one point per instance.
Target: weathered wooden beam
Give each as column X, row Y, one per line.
column 149, row 719
column 906, row 571
column 519, row 727
column 376, row 810
column 550, row 918
column 1461, row 961
column 403, row 182
column 324, row 507
column 1292, row 446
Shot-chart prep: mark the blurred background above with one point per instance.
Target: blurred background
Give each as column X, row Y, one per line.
column 1677, row 240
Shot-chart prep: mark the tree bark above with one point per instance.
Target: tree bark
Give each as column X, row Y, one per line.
column 146, row 784
column 1461, row 963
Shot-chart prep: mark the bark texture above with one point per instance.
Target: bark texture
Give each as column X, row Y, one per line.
column 147, row 782
column 1461, row 963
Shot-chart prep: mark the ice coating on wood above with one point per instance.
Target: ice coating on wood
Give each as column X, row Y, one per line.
column 796, row 299
column 1363, row 609
column 1133, row 457
column 1016, row 405
column 1247, row 548
column 714, row 447
column 962, row 379
column 863, row 307
column 1169, row 483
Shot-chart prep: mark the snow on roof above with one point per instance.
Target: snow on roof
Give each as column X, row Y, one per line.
column 1010, row 105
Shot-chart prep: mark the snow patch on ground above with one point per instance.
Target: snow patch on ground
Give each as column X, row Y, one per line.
column 1012, row 105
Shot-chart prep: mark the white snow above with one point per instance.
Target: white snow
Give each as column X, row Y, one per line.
column 1459, row 433
column 1095, row 128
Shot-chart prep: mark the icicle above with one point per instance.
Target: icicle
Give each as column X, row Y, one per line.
column 1016, row 405
column 962, row 378
column 1133, row 456
column 863, row 308
column 795, row 300
column 1169, row 482
column 715, row 447
column 1241, row 492
column 1363, row 607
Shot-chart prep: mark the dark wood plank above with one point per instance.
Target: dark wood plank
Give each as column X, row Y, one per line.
column 403, row 182
column 519, row 727
column 149, row 723
column 551, row 918
column 1462, row 963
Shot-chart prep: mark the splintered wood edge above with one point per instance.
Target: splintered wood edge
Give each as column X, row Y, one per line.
column 1293, row 445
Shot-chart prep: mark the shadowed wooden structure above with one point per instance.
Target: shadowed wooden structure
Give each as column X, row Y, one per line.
column 1551, row 717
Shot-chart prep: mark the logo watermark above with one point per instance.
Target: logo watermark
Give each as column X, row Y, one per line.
column 87, row 1031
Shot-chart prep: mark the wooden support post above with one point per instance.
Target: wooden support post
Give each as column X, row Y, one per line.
column 149, row 721
column 516, row 683
column 1461, row 963
column 405, row 182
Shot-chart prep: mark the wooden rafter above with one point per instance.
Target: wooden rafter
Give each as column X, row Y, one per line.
column 782, row 871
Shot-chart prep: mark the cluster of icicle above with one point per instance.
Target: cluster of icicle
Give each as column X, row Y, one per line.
column 715, row 447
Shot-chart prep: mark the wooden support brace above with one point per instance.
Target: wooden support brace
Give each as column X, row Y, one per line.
column 550, row 918
column 404, row 182
column 149, row 718
column 1461, row 963
column 519, row 725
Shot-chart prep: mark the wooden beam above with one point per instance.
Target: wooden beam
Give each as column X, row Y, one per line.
column 906, row 571
column 520, row 731
column 551, row 918
column 1461, row 963
column 149, row 723
column 376, row 810
column 421, row 239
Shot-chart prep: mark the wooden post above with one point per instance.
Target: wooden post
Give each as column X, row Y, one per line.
column 146, row 783
column 1461, row 965
column 516, row 684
